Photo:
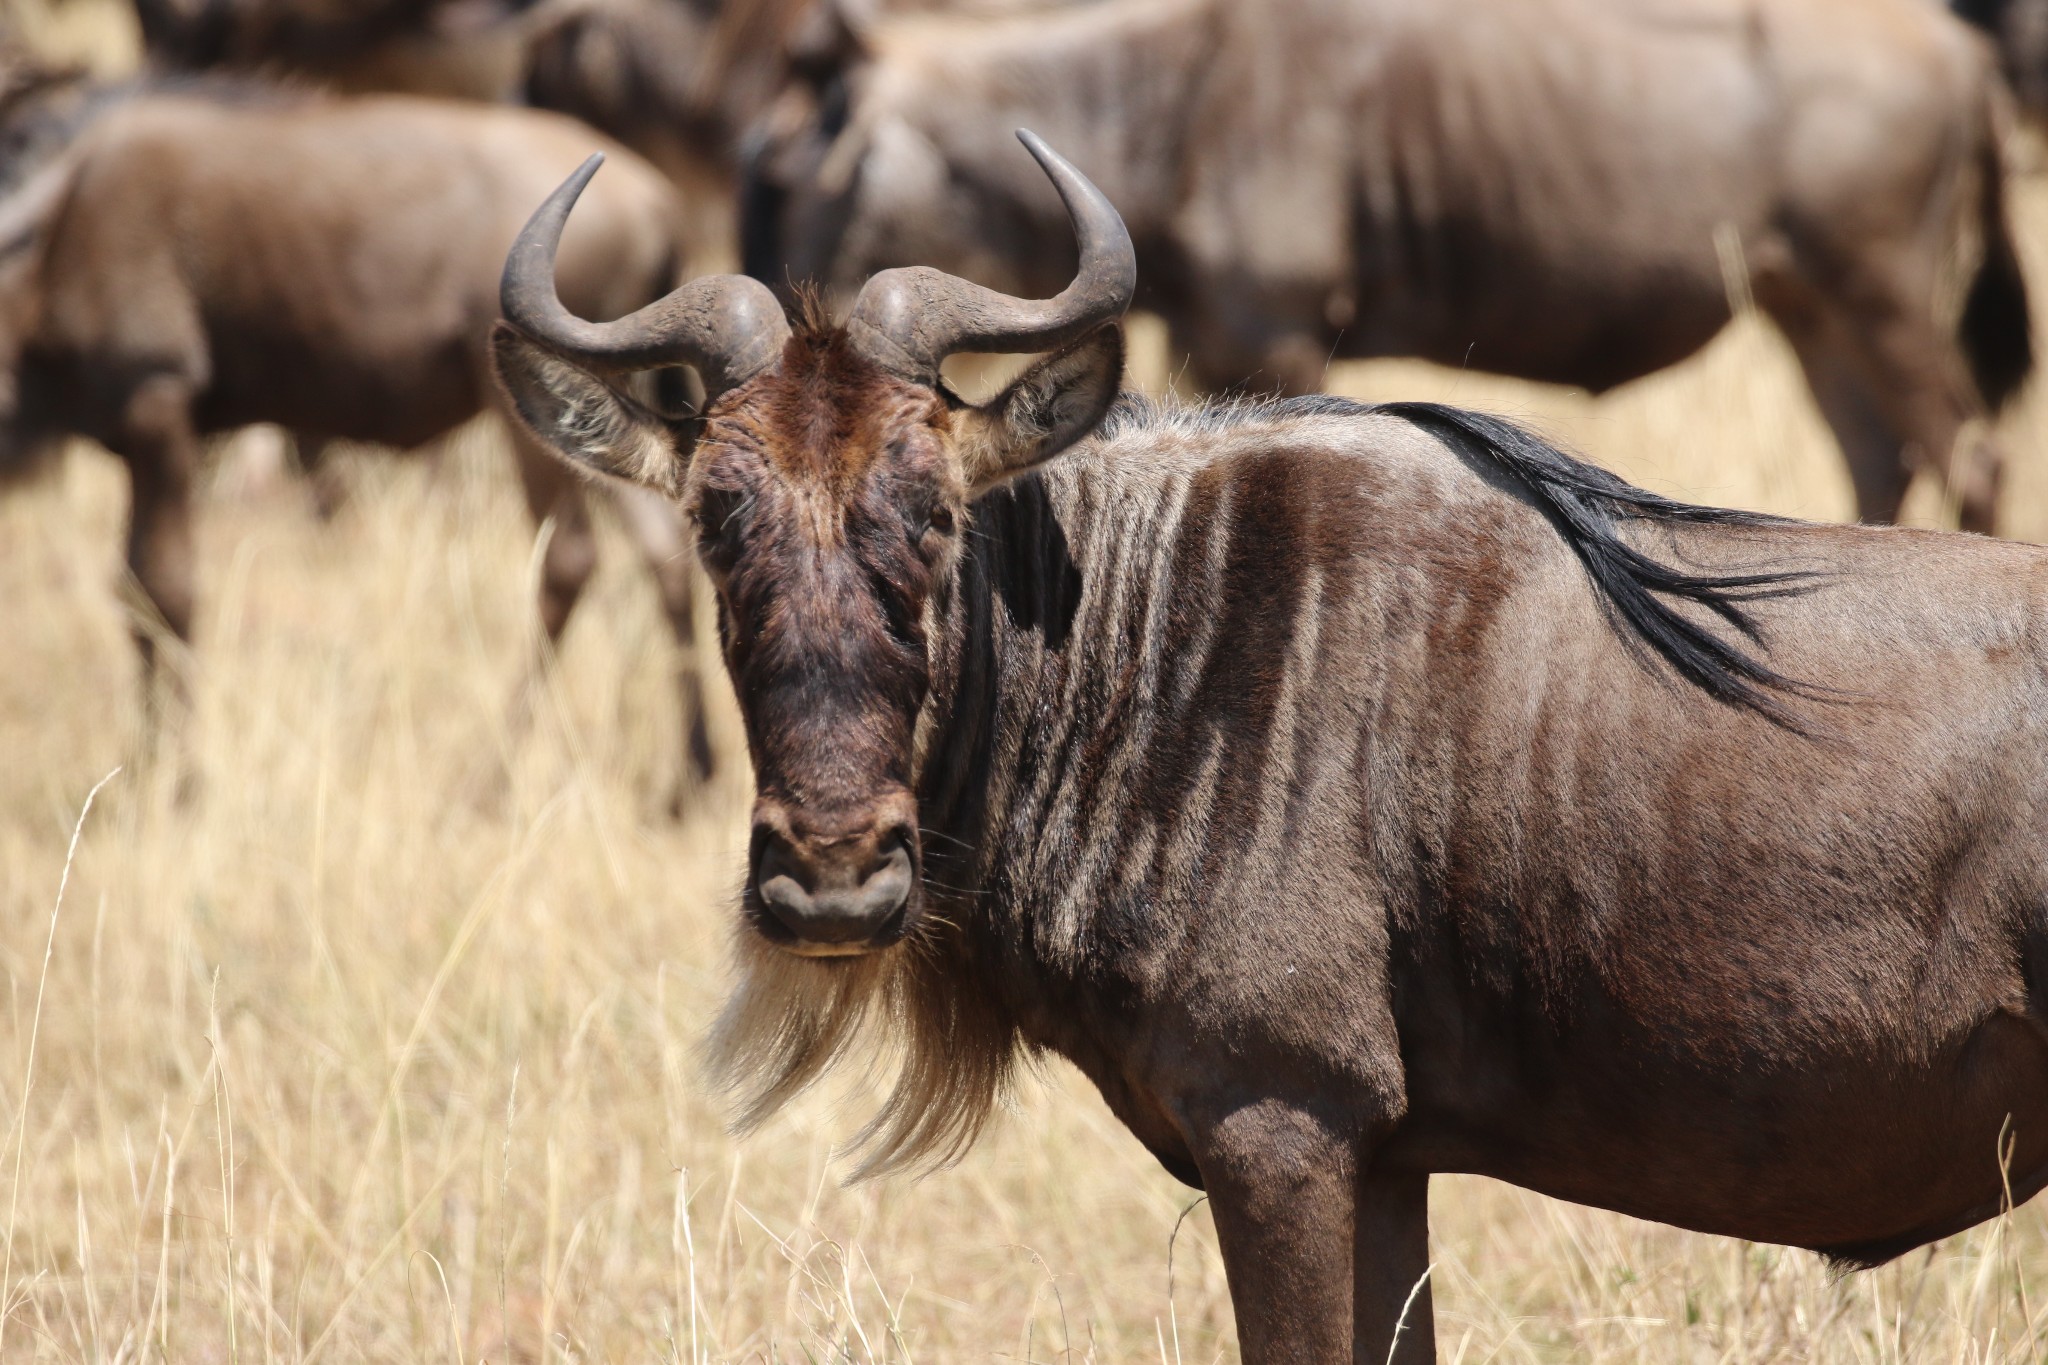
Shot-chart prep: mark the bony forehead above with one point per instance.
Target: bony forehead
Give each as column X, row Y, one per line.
column 837, row 449
column 909, row 474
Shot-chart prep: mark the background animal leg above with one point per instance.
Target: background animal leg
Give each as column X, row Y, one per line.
column 1283, row 1193
column 1234, row 346
column 1893, row 391
column 656, row 526
column 1391, row 1253
column 556, row 500
column 156, row 441
column 326, row 478
column 1920, row 380
column 1871, row 448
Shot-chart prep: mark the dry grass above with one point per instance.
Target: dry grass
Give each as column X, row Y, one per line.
column 347, row 1062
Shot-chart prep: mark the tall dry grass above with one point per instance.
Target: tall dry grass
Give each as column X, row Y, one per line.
column 353, row 1058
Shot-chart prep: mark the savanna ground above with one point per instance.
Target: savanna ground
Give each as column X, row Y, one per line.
column 356, row 1058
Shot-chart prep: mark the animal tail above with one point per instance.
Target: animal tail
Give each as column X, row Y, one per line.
column 1996, row 330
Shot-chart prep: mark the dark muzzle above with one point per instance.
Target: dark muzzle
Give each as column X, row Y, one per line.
column 841, row 889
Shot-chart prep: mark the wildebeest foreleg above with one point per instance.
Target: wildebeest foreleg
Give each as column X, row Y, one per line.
column 656, row 526
column 1321, row 1262
column 556, row 500
column 329, row 482
column 1841, row 389
column 1237, row 341
column 1395, row 1319
column 156, row 440
column 1921, row 381
column 1893, row 390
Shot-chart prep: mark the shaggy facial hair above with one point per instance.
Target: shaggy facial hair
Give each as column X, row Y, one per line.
column 791, row 1018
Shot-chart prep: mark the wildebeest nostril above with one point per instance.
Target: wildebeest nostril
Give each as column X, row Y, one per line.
column 836, row 895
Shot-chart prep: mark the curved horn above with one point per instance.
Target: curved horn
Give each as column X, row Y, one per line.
column 727, row 326
column 910, row 319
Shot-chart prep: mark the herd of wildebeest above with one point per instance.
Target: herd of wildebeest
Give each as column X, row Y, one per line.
column 1351, row 792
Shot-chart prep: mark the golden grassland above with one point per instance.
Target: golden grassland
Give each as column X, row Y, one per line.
column 357, row 1057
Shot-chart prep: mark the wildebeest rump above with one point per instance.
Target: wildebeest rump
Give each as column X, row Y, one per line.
column 1353, row 794
column 325, row 264
column 1562, row 190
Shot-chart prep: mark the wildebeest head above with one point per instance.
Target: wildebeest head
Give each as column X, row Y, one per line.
column 829, row 477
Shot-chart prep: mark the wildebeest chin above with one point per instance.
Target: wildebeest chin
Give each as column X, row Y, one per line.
column 1352, row 793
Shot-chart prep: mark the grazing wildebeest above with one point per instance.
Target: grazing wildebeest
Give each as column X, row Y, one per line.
column 1352, row 793
column 329, row 265
column 1562, row 190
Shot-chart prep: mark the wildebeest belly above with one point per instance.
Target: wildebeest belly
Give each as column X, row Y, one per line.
column 400, row 393
column 1541, row 320
column 1861, row 1148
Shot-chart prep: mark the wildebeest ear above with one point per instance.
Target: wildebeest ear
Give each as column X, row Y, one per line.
column 1051, row 405
column 586, row 421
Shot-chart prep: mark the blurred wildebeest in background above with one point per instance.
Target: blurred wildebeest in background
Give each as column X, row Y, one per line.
column 328, row 264
column 679, row 81
column 1560, row 190
column 2019, row 28
column 691, row 84
column 472, row 49
column 1353, row 794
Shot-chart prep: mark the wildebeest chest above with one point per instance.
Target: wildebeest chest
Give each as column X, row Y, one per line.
column 401, row 388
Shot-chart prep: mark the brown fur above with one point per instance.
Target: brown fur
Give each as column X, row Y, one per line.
column 2019, row 30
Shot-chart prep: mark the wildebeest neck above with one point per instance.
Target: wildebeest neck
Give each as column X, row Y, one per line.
column 1164, row 650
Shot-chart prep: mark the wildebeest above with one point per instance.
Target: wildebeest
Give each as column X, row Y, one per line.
column 694, row 85
column 329, row 265
column 1352, row 793
column 1562, row 190
column 681, row 83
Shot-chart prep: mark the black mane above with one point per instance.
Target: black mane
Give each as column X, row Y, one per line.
column 1587, row 504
